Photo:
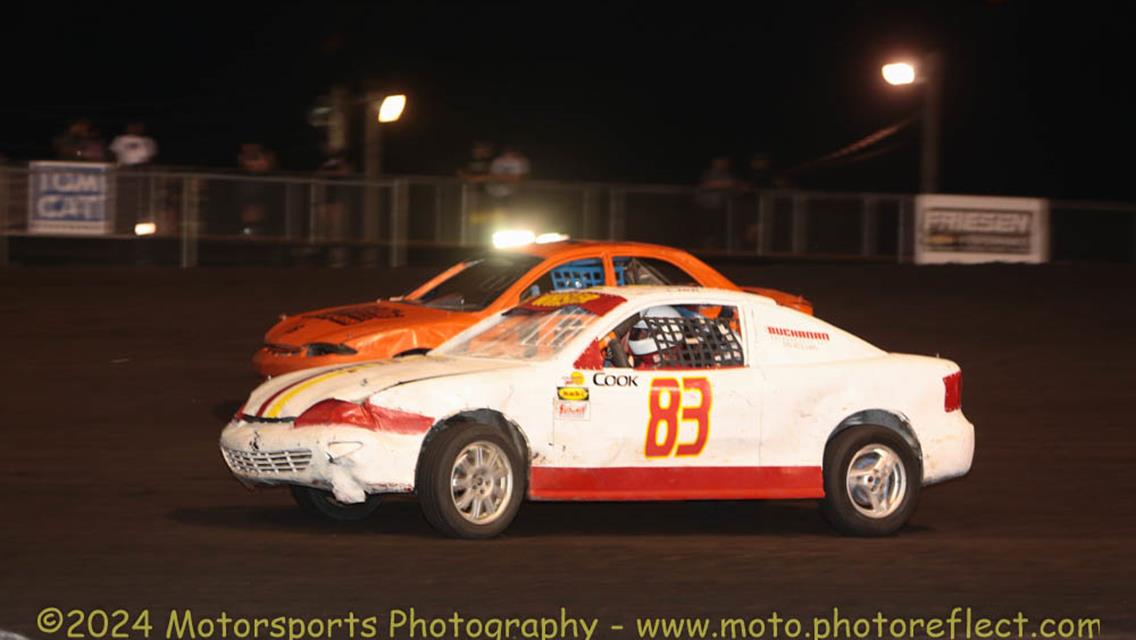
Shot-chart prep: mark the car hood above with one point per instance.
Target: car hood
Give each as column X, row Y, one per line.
column 353, row 324
column 287, row 396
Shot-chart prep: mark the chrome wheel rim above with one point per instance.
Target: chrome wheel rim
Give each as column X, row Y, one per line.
column 877, row 481
column 481, row 482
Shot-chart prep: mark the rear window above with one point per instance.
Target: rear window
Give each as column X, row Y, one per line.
column 649, row 271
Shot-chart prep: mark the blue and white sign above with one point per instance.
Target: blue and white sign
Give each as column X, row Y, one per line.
column 71, row 198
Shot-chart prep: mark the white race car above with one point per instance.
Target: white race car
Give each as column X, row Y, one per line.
column 632, row 393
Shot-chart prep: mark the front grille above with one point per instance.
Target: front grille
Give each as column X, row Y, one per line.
column 277, row 349
column 283, row 461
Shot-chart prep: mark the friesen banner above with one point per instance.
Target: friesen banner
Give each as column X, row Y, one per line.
column 71, row 198
column 973, row 229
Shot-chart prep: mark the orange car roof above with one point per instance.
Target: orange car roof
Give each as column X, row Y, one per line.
column 568, row 247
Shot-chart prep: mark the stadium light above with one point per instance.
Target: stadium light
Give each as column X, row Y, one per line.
column 898, row 73
column 390, row 109
column 928, row 72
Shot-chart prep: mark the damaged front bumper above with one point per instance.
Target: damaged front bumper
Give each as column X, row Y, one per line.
column 348, row 461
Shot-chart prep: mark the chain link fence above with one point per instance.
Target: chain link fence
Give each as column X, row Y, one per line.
column 213, row 218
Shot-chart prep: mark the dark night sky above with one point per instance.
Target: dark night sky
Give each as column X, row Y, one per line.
column 1035, row 97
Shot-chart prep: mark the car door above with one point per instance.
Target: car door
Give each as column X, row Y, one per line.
column 685, row 430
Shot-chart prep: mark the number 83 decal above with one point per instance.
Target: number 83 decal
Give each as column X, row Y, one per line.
column 668, row 412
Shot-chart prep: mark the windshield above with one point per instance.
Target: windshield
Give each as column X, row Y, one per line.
column 480, row 283
column 536, row 330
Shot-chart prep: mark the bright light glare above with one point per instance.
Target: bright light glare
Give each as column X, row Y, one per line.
column 546, row 238
column 145, row 229
column 512, row 238
column 899, row 73
column 391, row 108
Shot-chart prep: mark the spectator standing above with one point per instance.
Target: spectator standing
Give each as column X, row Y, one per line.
column 717, row 184
column 133, row 150
column 80, row 142
column 761, row 180
column 476, row 172
column 333, row 217
column 133, row 147
column 255, row 161
column 506, row 173
column 479, row 165
column 760, row 172
column 716, row 190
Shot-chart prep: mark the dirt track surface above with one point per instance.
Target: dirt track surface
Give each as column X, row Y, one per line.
column 116, row 383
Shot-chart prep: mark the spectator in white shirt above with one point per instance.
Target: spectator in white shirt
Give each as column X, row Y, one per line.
column 506, row 172
column 134, row 147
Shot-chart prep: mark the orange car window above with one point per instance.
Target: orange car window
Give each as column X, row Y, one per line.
column 480, row 283
column 639, row 270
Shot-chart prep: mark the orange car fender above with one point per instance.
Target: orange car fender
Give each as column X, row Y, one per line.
column 413, row 338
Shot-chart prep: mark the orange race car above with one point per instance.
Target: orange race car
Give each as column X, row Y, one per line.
column 474, row 289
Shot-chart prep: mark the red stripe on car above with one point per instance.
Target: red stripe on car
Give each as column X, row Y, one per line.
column 675, row 483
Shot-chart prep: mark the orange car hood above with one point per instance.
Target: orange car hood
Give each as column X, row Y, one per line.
column 369, row 320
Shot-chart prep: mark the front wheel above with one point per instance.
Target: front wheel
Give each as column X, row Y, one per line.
column 324, row 504
column 470, row 481
column 871, row 482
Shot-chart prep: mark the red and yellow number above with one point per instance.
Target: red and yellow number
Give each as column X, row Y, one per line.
column 668, row 412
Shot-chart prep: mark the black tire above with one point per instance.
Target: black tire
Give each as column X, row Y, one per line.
column 433, row 482
column 840, row 508
column 322, row 503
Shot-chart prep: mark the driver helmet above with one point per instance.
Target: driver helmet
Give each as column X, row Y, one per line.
column 640, row 341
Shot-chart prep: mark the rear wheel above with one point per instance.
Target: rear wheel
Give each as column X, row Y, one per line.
column 323, row 503
column 470, row 481
column 871, row 482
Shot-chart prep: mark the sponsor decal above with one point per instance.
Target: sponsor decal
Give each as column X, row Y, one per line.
column 552, row 300
column 980, row 229
column 597, row 303
column 355, row 315
column 572, row 393
column 797, row 333
column 576, row 379
column 978, row 221
column 612, row 380
column 572, row 410
column 74, row 198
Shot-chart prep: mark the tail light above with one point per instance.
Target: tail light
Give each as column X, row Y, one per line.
column 338, row 412
column 952, row 399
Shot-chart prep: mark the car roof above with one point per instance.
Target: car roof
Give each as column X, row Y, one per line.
column 567, row 247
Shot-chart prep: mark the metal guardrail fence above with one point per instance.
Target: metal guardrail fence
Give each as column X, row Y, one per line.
column 217, row 218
